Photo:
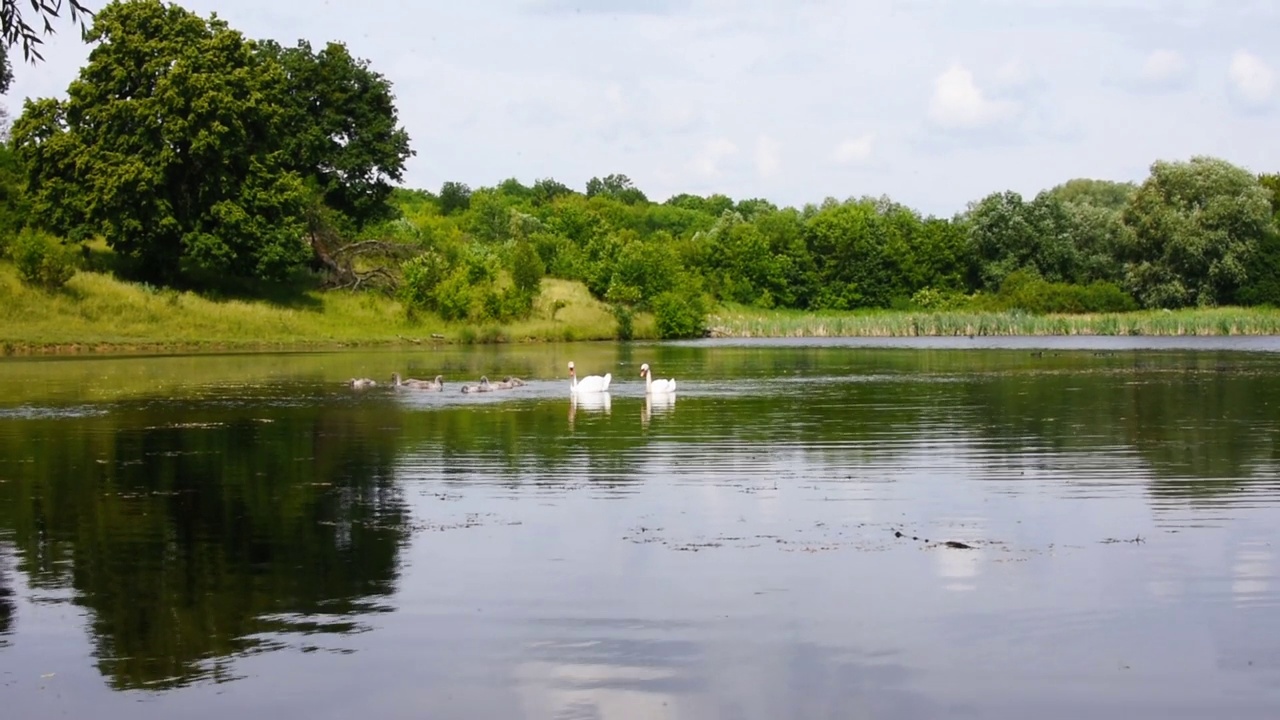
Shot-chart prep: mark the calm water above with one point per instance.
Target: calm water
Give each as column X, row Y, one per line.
column 242, row 535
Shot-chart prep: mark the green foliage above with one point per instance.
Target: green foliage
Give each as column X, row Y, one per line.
column 339, row 129
column 680, row 313
column 1196, row 226
column 618, row 187
column 174, row 157
column 43, row 261
column 1103, row 194
column 1023, row 291
column 14, row 206
column 455, row 197
column 192, row 149
column 626, row 320
column 526, row 268
column 934, row 299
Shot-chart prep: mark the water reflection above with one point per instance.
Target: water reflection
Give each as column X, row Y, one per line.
column 7, row 609
column 745, row 563
column 589, row 402
column 659, row 404
column 195, row 534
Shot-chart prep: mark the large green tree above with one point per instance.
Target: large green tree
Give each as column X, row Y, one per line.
column 168, row 146
column 191, row 148
column 341, row 128
column 1196, row 226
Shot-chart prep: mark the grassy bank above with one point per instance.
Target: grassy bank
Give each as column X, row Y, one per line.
column 98, row 313
column 739, row 322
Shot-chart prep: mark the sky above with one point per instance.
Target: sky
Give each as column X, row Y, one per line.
column 934, row 103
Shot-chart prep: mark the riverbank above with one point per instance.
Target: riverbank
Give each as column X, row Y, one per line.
column 99, row 314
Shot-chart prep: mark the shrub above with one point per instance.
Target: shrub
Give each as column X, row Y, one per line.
column 42, row 260
column 1024, row 291
column 527, row 268
column 626, row 321
column 421, row 276
column 679, row 314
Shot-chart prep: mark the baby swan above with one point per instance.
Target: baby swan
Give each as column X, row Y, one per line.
column 437, row 384
column 484, row 386
column 361, row 383
column 509, row 382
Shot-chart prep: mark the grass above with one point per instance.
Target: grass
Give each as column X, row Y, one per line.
column 743, row 322
column 96, row 312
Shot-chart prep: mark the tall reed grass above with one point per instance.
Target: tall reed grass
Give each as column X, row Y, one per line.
column 746, row 322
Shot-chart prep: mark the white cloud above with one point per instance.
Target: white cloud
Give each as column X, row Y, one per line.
column 958, row 102
column 1252, row 79
column 643, row 86
column 1163, row 69
column 768, row 156
column 707, row 161
column 854, row 151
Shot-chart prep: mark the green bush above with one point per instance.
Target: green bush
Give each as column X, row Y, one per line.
column 527, row 268
column 626, row 321
column 453, row 296
column 934, row 299
column 679, row 314
column 42, row 260
column 1025, row 291
column 421, row 276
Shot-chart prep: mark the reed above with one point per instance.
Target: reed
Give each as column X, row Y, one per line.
column 741, row 322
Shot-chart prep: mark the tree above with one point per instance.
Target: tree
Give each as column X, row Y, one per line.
column 1098, row 193
column 455, row 197
column 617, row 186
column 340, row 129
column 1196, row 226
column 168, row 146
column 1009, row 234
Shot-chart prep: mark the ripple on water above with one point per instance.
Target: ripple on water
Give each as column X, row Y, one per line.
column 47, row 412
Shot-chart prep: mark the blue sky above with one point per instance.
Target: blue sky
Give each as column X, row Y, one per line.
column 932, row 102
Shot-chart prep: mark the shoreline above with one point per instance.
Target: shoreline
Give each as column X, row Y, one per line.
column 740, row 325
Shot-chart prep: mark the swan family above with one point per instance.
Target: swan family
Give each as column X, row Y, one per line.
column 577, row 385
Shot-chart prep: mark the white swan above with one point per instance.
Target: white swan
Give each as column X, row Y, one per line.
column 590, row 383
column 656, row 386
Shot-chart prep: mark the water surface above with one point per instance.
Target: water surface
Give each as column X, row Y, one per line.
column 196, row 536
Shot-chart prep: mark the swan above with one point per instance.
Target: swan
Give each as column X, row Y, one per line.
column 656, row 386
column 484, row 386
column 361, row 383
column 590, row 383
column 509, row 382
column 437, row 384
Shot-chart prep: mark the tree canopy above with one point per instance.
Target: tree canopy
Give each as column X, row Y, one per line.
column 198, row 153
column 190, row 148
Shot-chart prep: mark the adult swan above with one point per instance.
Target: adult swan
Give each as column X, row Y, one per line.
column 590, row 383
column 656, row 386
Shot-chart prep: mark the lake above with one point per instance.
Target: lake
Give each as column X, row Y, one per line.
column 910, row 528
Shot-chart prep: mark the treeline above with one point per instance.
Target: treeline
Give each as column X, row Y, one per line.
column 219, row 157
